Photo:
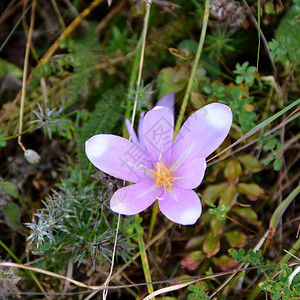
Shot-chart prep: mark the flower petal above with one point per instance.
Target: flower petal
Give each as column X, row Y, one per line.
column 135, row 198
column 190, row 174
column 185, row 209
column 134, row 137
column 202, row 133
column 140, row 130
column 117, row 157
column 158, row 131
column 168, row 101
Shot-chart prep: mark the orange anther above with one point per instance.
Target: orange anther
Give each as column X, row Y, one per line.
column 162, row 175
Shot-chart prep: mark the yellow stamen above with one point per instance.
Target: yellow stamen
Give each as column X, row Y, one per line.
column 163, row 175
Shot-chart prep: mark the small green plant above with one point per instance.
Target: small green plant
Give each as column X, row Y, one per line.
column 219, row 211
column 278, row 50
column 197, row 293
column 143, row 93
column 215, row 90
column 254, row 258
column 241, row 114
column 281, row 281
column 220, row 43
column 285, row 287
column 244, row 73
column 51, row 122
column 271, row 144
column 58, row 64
column 119, row 40
column 76, row 217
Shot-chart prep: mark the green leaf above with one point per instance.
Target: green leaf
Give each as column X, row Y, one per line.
column 215, row 91
column 10, row 189
column 103, row 119
column 245, row 73
column 233, row 171
column 269, row 8
column 211, row 246
column 277, row 164
column 219, row 211
column 189, row 45
column 252, row 190
column 7, row 67
column 247, row 213
column 255, row 258
column 235, row 93
column 195, row 243
column 216, row 225
column 167, row 83
column 229, row 195
column 225, row 263
column 213, row 192
column 250, row 162
column 267, row 161
column 197, row 293
column 13, row 214
column 238, row 256
column 236, row 238
column 239, row 79
column 278, row 51
column 193, row 260
column 288, row 33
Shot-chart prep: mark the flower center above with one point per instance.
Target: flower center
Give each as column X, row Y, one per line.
column 163, row 175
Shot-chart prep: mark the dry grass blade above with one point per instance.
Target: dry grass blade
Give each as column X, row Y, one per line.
column 25, row 73
column 169, row 289
column 78, row 283
column 258, row 127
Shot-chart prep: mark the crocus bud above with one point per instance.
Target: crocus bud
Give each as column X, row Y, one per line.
column 31, row 156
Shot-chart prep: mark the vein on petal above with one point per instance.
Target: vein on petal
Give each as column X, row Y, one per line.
column 178, row 163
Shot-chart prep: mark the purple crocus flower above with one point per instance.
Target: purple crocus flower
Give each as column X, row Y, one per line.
column 138, row 139
column 161, row 169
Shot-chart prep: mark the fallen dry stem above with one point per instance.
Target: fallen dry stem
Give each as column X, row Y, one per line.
column 25, row 70
column 100, row 288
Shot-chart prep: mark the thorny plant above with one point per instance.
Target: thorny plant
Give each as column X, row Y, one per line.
column 49, row 218
column 76, row 218
column 48, row 118
column 102, row 246
column 143, row 93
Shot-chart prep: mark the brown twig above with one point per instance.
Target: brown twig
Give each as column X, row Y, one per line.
column 104, row 21
column 12, row 11
column 25, row 27
column 60, row 19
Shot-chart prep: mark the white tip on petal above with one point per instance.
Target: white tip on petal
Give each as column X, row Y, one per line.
column 205, row 130
column 185, row 210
